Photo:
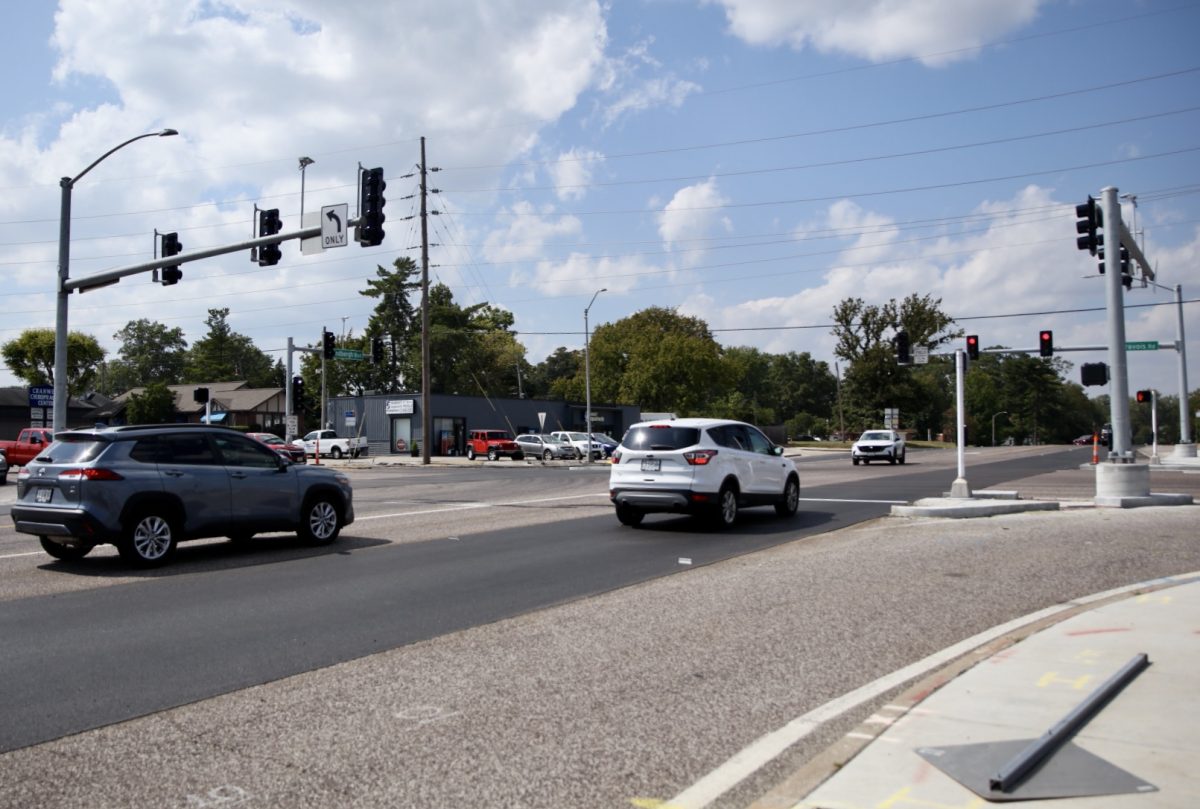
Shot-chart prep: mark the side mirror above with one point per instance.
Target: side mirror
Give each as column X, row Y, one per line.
column 777, row 450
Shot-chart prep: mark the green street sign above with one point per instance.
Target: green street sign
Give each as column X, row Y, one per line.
column 348, row 354
column 1142, row 345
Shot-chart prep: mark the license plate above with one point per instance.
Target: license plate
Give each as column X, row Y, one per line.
column 43, row 495
column 651, row 465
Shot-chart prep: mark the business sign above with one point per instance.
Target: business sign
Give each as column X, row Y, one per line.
column 41, row 396
column 398, row 407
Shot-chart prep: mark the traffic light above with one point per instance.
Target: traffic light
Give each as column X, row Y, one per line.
column 1090, row 218
column 297, row 392
column 1124, row 260
column 973, row 346
column 377, row 350
column 903, row 357
column 1046, row 343
column 371, row 218
column 327, row 344
column 269, row 225
column 1094, row 373
column 1143, row 396
column 170, row 247
column 200, row 395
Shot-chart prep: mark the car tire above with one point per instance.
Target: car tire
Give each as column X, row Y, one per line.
column 470, row 453
column 518, row 456
column 727, row 506
column 790, row 500
column 902, row 454
column 547, row 455
column 854, row 461
column 150, row 538
column 493, row 455
column 336, row 453
column 629, row 516
column 892, row 460
column 320, row 521
column 67, row 553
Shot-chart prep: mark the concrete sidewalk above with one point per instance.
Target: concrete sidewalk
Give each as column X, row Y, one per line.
column 940, row 743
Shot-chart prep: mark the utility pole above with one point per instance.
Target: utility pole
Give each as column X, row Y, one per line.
column 426, row 418
column 1119, row 392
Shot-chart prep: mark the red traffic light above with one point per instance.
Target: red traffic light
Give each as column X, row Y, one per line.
column 1143, row 396
column 1046, row 343
column 973, row 346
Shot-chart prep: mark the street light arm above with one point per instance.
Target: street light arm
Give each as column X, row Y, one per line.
column 161, row 134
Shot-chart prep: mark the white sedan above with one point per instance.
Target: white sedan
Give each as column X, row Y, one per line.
column 878, row 445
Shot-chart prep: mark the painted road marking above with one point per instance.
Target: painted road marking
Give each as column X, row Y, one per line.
column 476, row 505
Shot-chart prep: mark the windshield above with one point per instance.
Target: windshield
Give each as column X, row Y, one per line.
column 876, row 437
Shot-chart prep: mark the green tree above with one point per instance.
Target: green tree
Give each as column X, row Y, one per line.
column 563, row 364
column 30, row 357
column 223, row 355
column 397, row 321
column 150, row 352
column 154, row 405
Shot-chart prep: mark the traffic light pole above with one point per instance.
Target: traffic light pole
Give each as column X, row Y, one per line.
column 1121, row 451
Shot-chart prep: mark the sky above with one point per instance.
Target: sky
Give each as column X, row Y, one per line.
column 748, row 162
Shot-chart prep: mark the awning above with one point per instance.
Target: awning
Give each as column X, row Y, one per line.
column 216, row 417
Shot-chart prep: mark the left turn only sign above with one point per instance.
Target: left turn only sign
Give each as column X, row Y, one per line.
column 333, row 225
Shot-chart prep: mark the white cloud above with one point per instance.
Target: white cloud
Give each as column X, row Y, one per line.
column 936, row 31
column 527, row 234
column 693, row 213
column 581, row 274
column 572, row 172
column 622, row 81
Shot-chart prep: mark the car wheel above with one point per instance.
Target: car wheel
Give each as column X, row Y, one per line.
column 65, row 552
column 790, row 501
column 470, row 453
column 547, row 455
column 727, row 506
column 902, row 454
column 854, row 461
column 336, row 453
column 149, row 539
column 892, row 460
column 493, row 455
column 518, row 456
column 320, row 521
column 629, row 516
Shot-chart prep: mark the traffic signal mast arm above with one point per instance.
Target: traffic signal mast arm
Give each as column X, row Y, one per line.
column 1135, row 252
column 107, row 277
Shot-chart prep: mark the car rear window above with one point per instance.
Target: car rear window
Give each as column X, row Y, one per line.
column 72, row 449
column 660, row 437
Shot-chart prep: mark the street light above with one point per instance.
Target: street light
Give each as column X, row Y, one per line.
column 1001, row 413
column 587, row 374
column 64, row 259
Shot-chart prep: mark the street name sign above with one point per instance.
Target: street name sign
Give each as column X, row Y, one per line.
column 348, row 354
column 1142, row 345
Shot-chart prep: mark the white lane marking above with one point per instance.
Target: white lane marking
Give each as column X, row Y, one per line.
column 469, row 506
column 756, row 755
column 840, row 500
column 15, row 555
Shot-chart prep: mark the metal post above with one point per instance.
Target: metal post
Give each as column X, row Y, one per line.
column 1001, row 413
column 324, row 425
column 960, row 487
column 305, row 162
column 1185, row 416
column 61, row 391
column 1154, row 426
column 1119, row 392
column 587, row 374
column 289, row 407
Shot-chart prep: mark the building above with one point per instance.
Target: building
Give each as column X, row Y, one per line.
column 232, row 404
column 391, row 423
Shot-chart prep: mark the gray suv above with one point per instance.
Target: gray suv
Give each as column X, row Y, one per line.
column 145, row 488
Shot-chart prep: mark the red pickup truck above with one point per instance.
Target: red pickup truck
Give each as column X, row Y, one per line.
column 29, row 443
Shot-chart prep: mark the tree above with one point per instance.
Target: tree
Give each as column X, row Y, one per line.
column 398, row 323
column 542, row 380
column 223, row 355
column 149, row 352
column 30, row 357
column 658, row 359
column 155, row 405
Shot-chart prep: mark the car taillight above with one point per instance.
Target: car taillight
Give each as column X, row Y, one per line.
column 616, row 456
column 91, row 473
column 700, row 457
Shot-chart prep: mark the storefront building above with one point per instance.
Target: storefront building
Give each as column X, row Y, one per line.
column 392, row 423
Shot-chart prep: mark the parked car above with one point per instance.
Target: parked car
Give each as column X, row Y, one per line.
column 30, row 441
column 878, row 445
column 546, row 447
column 328, row 443
column 607, row 442
column 706, row 467
column 494, row 444
column 1086, row 438
column 290, row 451
column 3, row 468
column 145, row 488
column 580, row 442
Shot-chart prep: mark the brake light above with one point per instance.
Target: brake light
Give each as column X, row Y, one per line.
column 700, row 457
column 91, row 473
column 616, row 456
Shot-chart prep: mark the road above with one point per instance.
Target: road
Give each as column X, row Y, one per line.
column 437, row 552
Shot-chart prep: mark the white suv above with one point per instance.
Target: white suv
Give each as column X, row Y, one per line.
column 700, row 466
column 878, row 445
